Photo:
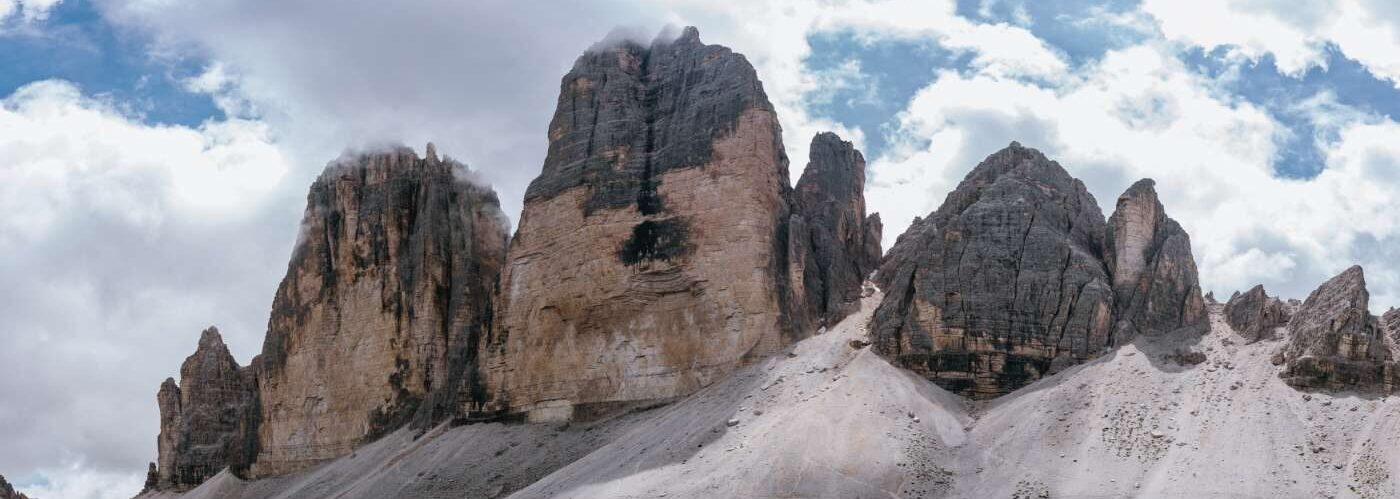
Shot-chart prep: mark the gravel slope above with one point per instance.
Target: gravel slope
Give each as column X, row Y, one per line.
column 834, row 420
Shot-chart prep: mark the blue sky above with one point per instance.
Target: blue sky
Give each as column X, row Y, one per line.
column 155, row 154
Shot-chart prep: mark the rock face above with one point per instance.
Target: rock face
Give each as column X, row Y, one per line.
column 8, row 492
column 1335, row 343
column 660, row 247
column 1002, row 283
column 385, row 300
column 844, row 241
column 1017, row 275
column 1255, row 315
column 203, row 424
column 1155, row 284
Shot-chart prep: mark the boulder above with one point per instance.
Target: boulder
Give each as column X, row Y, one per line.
column 1335, row 343
column 660, row 246
column 1002, row 284
column 1254, row 315
column 1154, row 275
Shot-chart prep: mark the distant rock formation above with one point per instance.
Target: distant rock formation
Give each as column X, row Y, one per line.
column 1001, row 283
column 661, row 245
column 204, row 424
column 1154, row 275
column 845, row 242
column 1017, row 275
column 1334, row 341
column 8, row 492
column 1255, row 315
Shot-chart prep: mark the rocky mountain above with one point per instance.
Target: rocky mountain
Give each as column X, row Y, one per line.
column 1017, row 275
column 1255, row 315
column 1335, row 343
column 377, row 322
column 207, row 425
column 843, row 239
column 661, row 245
column 1155, row 285
column 7, row 491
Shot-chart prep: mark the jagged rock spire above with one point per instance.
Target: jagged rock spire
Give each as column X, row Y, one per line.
column 1154, row 274
column 1334, row 341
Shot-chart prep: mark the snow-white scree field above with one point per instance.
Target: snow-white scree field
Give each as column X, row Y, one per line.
column 832, row 419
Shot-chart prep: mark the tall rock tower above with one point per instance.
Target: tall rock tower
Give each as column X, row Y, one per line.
column 656, row 251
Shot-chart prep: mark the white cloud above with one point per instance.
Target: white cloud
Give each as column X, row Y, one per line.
column 121, row 241
column 1294, row 32
column 25, row 11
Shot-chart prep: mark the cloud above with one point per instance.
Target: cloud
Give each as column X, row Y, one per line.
column 25, row 11
column 1139, row 113
column 1295, row 33
column 121, row 242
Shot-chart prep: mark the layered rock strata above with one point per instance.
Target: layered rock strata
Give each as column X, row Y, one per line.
column 1002, row 283
column 1255, row 315
column 1155, row 284
column 204, row 420
column 1335, row 343
column 661, row 245
column 843, row 239
column 1017, row 275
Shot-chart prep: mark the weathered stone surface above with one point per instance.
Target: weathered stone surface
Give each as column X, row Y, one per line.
column 1255, row 315
column 378, row 318
column 201, row 418
column 8, row 491
column 1390, row 323
column 1154, row 275
column 1002, row 283
column 1334, row 341
column 659, row 248
column 845, row 243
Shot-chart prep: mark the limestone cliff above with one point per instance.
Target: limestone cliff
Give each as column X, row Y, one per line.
column 660, row 245
column 387, row 293
column 202, row 419
column 1255, row 315
column 1148, row 254
column 1334, row 341
column 844, row 241
column 1001, row 284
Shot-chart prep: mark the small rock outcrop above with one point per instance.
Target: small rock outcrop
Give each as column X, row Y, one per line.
column 661, row 245
column 1254, row 315
column 385, row 301
column 1154, row 275
column 1001, row 284
column 1390, row 323
column 203, row 419
column 844, row 241
column 8, row 492
column 1334, row 341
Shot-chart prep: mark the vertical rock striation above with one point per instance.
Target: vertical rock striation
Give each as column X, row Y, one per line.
column 202, row 419
column 1335, row 343
column 660, row 246
column 378, row 318
column 1255, row 315
column 1002, row 283
column 844, row 241
column 1155, row 284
